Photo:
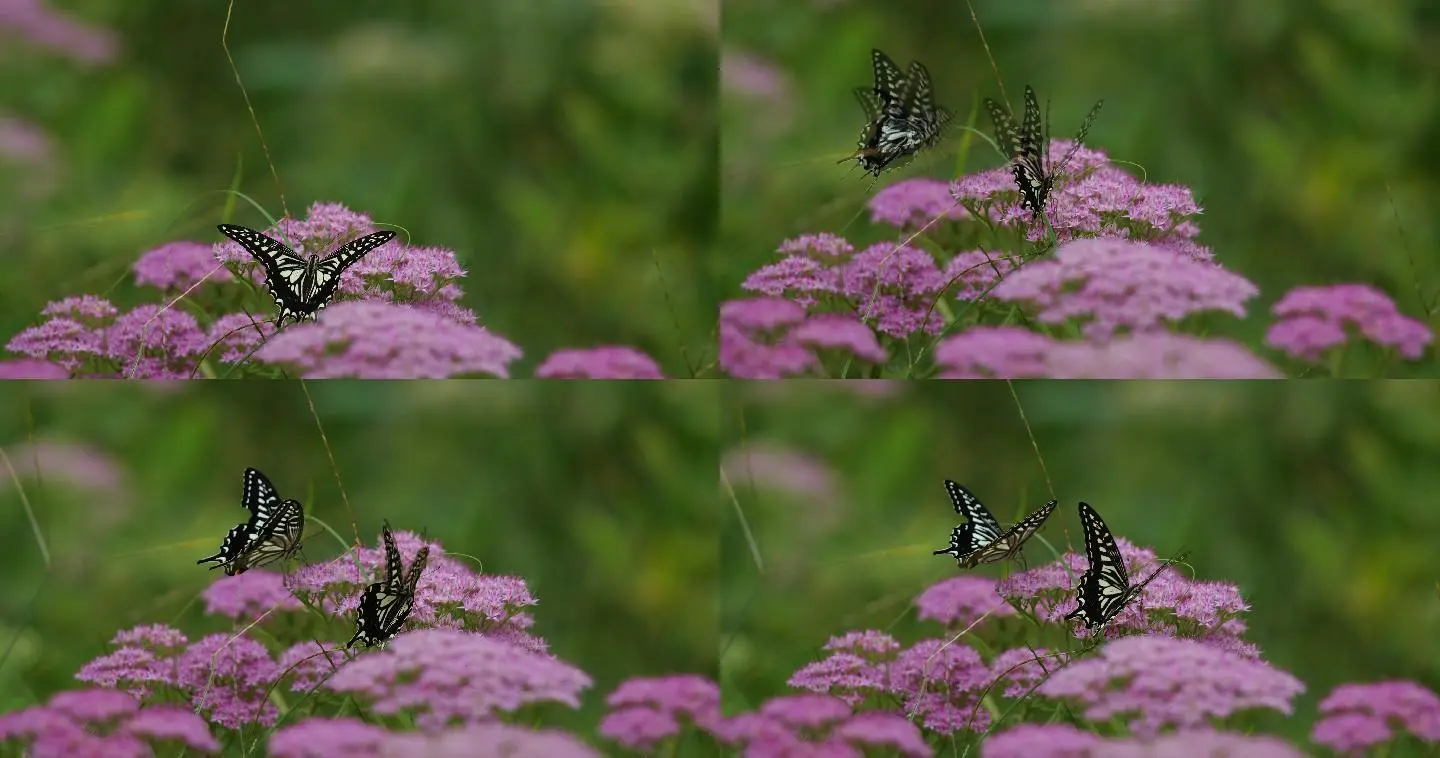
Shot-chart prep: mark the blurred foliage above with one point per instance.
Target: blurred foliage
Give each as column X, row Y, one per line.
column 1307, row 131
column 564, row 148
column 600, row 496
column 1315, row 498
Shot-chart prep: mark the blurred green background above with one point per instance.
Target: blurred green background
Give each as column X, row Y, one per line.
column 601, row 496
column 565, row 149
column 1317, row 499
column 1295, row 123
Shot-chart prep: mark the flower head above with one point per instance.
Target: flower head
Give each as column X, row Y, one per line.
column 961, row 601
column 246, row 596
column 1313, row 320
column 1041, row 741
column 647, row 711
column 1155, row 682
column 446, row 676
column 1117, row 285
column 1358, row 716
column 912, row 203
column 613, row 362
column 229, row 678
column 177, row 266
column 377, row 340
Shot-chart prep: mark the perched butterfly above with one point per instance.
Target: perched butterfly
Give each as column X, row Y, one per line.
column 386, row 604
column 1104, row 588
column 300, row 285
column 901, row 116
column 272, row 533
column 1028, row 147
column 980, row 539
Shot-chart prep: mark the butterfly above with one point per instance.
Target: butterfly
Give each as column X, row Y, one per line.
column 980, row 539
column 386, row 604
column 1028, row 148
column 1104, row 588
column 272, row 533
column 901, row 116
column 301, row 285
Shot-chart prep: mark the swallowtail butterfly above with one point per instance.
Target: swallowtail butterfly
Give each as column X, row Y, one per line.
column 980, row 539
column 272, row 533
column 900, row 114
column 1028, row 147
column 300, row 285
column 1104, row 588
column 386, row 604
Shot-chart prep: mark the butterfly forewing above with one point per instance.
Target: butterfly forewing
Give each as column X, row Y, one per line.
column 890, row 84
column 1012, row 541
column 328, row 270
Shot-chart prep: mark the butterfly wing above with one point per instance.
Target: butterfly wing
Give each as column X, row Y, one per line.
column 1104, row 588
column 920, row 108
column 231, row 548
column 286, row 273
column 1009, row 544
column 889, row 86
column 329, row 269
column 394, row 566
column 259, row 496
column 980, row 527
column 279, row 537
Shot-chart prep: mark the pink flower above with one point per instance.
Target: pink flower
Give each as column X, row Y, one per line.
column 1312, row 320
column 611, row 362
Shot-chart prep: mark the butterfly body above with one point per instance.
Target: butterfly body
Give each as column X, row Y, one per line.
column 1027, row 146
column 1104, row 589
column 301, row 285
column 901, row 115
column 981, row 539
column 385, row 605
column 272, row 532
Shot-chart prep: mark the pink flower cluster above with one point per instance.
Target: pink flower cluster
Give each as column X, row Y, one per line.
column 1126, row 293
column 396, row 315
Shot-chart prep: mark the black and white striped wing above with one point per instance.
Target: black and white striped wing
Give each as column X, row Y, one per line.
column 235, row 542
column 1012, row 541
column 926, row 118
column 890, row 85
column 278, row 538
column 1104, row 588
column 381, row 613
column 980, row 527
column 327, row 272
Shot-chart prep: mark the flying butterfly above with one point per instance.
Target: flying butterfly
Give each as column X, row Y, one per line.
column 386, row 604
column 301, row 285
column 1028, row 147
column 980, row 539
column 272, row 532
column 1104, row 589
column 901, row 116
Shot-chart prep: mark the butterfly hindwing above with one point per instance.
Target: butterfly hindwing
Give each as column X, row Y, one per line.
column 230, row 549
column 980, row 527
column 1012, row 541
column 301, row 285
